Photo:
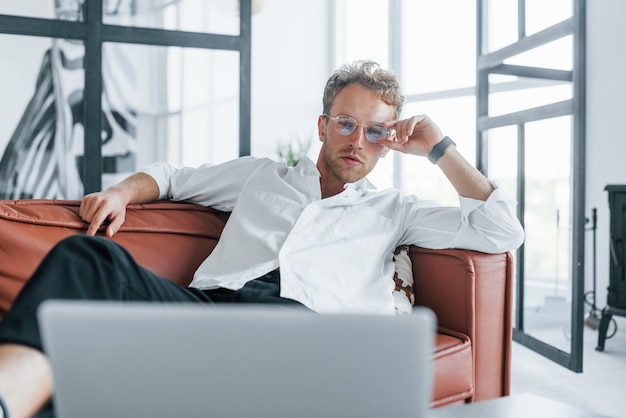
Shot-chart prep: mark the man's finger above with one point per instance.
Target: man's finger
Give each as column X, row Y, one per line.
column 96, row 221
column 114, row 226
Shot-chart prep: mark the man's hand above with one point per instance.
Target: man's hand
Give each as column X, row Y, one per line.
column 102, row 207
column 416, row 135
column 109, row 206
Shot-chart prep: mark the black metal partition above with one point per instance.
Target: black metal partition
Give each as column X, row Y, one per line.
column 93, row 32
column 549, row 300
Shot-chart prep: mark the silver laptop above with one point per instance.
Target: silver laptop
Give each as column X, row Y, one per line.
column 179, row 360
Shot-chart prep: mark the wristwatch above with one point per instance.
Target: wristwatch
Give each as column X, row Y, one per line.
column 439, row 149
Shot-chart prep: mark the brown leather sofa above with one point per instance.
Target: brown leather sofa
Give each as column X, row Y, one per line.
column 469, row 292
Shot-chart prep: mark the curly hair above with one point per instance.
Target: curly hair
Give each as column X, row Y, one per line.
column 369, row 74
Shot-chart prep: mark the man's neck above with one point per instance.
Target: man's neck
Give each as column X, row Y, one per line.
column 330, row 190
column 329, row 184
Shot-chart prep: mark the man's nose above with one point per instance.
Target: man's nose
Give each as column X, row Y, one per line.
column 357, row 138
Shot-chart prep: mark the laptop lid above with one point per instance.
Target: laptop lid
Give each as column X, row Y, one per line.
column 179, row 360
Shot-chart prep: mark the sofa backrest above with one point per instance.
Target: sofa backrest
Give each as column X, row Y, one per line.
column 171, row 239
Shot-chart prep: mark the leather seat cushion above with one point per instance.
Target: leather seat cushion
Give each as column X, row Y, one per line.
column 453, row 367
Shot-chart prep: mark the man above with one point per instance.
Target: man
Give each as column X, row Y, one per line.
column 283, row 221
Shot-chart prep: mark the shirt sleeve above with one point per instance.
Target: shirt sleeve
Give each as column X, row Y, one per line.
column 489, row 226
column 217, row 186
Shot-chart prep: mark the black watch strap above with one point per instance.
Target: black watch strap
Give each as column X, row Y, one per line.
column 439, row 149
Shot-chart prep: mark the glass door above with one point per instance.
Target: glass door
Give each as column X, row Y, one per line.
column 530, row 135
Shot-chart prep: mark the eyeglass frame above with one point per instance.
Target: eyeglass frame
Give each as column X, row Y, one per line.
column 356, row 125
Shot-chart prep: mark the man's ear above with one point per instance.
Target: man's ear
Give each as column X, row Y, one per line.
column 321, row 128
column 384, row 152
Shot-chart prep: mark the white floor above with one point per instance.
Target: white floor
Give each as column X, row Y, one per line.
column 600, row 388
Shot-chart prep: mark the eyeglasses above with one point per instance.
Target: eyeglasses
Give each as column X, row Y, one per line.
column 346, row 125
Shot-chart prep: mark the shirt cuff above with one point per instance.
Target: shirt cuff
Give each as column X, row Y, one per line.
column 160, row 172
column 491, row 206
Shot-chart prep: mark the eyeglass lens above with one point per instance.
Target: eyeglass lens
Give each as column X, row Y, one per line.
column 345, row 125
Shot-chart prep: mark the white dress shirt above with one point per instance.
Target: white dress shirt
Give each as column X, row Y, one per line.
column 334, row 254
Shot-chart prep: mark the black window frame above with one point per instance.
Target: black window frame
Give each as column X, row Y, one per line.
column 492, row 63
column 93, row 33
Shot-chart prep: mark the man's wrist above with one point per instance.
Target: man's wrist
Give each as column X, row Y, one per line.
column 439, row 149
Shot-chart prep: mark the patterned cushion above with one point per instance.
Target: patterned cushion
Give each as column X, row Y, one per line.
column 403, row 277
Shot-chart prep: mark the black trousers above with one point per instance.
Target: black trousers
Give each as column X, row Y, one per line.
column 96, row 268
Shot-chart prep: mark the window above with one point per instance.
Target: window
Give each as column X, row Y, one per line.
column 530, row 131
column 505, row 80
column 437, row 69
column 121, row 84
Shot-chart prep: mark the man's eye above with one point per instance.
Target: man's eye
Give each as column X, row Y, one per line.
column 377, row 132
column 346, row 125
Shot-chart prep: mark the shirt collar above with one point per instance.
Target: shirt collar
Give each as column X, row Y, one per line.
column 362, row 185
column 306, row 167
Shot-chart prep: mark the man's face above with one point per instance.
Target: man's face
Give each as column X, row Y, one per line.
column 349, row 158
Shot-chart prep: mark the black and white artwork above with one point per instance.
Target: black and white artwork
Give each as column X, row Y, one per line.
column 44, row 155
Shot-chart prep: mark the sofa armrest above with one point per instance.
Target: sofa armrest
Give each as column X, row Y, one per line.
column 171, row 239
column 471, row 292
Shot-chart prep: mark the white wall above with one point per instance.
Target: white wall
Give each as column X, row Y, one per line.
column 290, row 66
column 606, row 130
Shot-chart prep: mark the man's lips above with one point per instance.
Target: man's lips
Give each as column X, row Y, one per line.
column 352, row 160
